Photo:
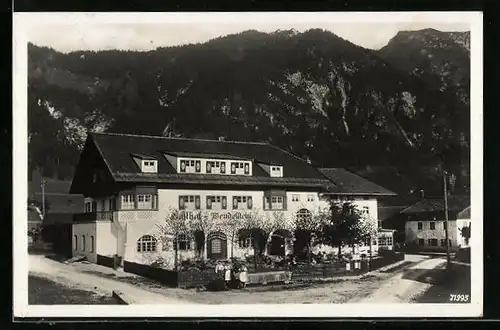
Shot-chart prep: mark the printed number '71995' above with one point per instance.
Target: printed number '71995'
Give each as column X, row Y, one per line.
column 459, row 297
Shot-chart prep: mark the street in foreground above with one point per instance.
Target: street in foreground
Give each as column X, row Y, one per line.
column 412, row 281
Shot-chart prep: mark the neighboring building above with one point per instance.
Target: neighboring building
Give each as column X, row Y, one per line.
column 425, row 225
column 133, row 183
column 60, row 206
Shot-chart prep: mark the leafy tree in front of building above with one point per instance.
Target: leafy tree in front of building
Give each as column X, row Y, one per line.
column 345, row 226
column 465, row 233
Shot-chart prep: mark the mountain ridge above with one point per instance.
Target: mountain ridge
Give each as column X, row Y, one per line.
column 314, row 94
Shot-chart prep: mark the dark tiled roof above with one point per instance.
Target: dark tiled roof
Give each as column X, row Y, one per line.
column 221, row 179
column 386, row 212
column 116, row 150
column 352, row 183
column 205, row 155
column 143, row 156
column 456, row 203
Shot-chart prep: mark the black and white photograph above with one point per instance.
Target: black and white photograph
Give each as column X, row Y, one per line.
column 248, row 164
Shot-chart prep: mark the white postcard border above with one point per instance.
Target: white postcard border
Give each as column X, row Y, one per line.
column 22, row 23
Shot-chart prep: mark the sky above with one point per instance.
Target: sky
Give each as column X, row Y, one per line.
column 70, row 35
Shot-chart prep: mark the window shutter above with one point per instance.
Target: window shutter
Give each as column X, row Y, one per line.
column 247, row 169
column 181, row 203
column 249, row 202
column 197, row 202
column 224, row 202
column 209, row 202
column 233, row 168
column 235, row 203
column 209, row 167
column 198, row 166
column 183, row 166
column 223, row 167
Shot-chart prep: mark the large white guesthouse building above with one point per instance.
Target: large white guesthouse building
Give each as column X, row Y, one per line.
column 133, row 183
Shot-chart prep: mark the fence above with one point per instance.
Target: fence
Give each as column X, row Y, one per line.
column 167, row 277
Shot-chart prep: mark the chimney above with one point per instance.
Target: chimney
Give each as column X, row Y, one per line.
column 222, row 139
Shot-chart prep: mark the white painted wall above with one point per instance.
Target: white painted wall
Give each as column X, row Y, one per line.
column 86, row 230
column 413, row 233
column 460, row 240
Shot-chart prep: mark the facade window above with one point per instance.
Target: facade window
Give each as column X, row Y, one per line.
column 76, row 242
column 365, row 210
column 295, row 198
column 92, row 244
column 242, row 202
column 443, row 242
column 432, row 225
column 245, row 242
column 190, row 202
column 421, row 242
column 190, row 166
column 276, row 171
column 146, row 243
column 444, row 225
column 145, row 201
column 216, row 246
column 149, row 166
column 385, row 241
column 304, row 215
column 432, row 242
column 420, row 226
column 310, row 198
column 183, row 242
column 88, row 207
column 274, row 203
column 83, row 242
column 216, row 202
column 128, row 202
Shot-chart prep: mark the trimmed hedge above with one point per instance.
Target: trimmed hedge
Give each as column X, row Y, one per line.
column 196, row 277
column 164, row 276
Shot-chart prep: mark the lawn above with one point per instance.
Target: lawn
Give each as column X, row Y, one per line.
column 42, row 291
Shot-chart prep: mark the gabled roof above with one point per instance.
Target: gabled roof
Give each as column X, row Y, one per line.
column 143, row 156
column 351, row 183
column 116, row 149
column 456, row 203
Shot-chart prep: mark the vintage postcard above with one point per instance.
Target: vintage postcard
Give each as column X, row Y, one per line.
column 248, row 164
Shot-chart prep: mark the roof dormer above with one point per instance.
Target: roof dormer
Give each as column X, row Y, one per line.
column 147, row 163
column 276, row 171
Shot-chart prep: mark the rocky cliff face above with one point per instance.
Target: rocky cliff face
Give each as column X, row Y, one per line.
column 312, row 93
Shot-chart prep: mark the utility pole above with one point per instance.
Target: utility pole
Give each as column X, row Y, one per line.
column 42, row 184
column 448, row 262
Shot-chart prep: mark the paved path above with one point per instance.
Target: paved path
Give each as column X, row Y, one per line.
column 406, row 284
column 69, row 276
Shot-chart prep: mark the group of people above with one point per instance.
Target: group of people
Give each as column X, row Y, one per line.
column 232, row 273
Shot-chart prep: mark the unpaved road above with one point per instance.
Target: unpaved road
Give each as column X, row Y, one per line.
column 70, row 277
column 406, row 284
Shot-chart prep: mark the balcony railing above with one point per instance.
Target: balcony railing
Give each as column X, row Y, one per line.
column 93, row 216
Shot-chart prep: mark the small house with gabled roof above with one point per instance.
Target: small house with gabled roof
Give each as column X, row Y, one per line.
column 425, row 223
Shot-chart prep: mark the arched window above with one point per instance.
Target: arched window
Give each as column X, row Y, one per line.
column 92, row 244
column 304, row 215
column 146, row 243
column 76, row 243
column 184, row 241
column 83, row 242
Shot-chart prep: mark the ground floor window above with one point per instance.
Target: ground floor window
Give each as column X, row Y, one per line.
column 385, row 241
column 443, row 242
column 433, row 242
column 83, row 242
column 421, row 242
column 92, row 244
column 183, row 242
column 75, row 246
column 146, row 243
column 245, row 242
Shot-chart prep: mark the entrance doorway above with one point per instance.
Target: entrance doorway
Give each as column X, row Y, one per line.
column 217, row 246
column 277, row 247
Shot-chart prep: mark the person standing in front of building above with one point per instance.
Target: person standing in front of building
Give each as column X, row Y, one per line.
column 227, row 274
column 243, row 275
